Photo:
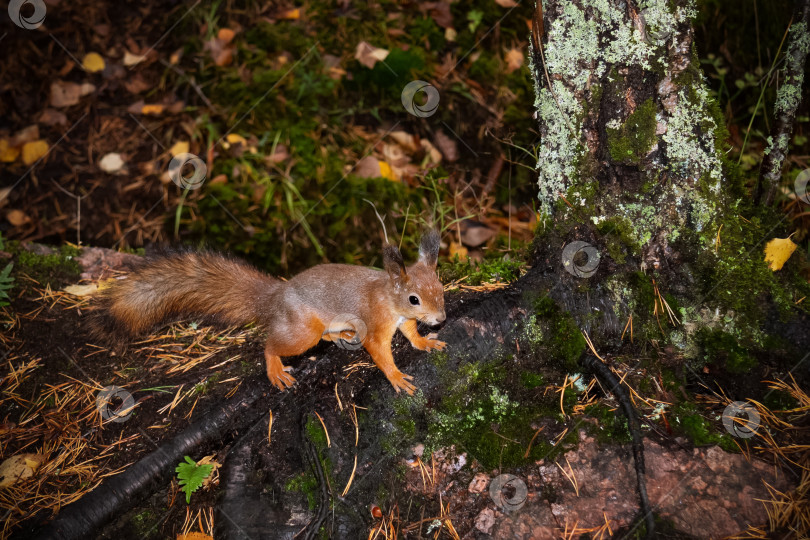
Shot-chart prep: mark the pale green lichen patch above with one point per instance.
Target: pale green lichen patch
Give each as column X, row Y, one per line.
column 691, row 153
column 789, row 94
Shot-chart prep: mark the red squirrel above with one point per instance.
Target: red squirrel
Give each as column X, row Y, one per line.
column 319, row 303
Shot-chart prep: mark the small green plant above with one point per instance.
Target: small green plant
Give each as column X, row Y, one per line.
column 191, row 476
column 6, row 283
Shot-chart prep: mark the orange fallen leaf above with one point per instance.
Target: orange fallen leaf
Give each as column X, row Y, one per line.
column 17, row 218
column 8, row 153
column 291, row 15
column 514, row 60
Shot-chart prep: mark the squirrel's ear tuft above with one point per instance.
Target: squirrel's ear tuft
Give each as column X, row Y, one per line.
column 429, row 248
column 394, row 263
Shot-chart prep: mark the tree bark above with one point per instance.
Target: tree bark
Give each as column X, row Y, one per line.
column 646, row 224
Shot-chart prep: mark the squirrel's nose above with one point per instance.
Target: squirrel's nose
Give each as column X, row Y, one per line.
column 441, row 318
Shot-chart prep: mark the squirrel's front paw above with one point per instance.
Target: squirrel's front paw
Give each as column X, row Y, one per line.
column 433, row 344
column 399, row 382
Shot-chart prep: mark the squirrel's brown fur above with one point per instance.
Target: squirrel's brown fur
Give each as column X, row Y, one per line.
column 335, row 302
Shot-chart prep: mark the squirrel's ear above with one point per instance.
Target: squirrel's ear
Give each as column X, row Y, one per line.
column 429, row 248
column 394, row 264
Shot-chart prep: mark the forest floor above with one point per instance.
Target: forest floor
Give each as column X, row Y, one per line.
column 296, row 115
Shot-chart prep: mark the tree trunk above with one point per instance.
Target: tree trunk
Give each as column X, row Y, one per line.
column 647, row 225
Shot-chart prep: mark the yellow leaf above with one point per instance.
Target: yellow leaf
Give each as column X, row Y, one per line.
column 8, row 153
column 152, row 109
column 386, row 171
column 457, row 249
column 180, row 147
column 235, row 138
column 292, row 14
column 93, row 62
column 81, row 290
column 778, row 251
column 33, row 151
column 194, row 536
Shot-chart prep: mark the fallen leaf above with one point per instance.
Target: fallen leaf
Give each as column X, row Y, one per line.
column 514, row 60
column 219, row 179
column 133, row 59
column 225, row 35
column 506, row 3
column 448, row 146
column 221, row 48
column 93, row 62
column 8, row 153
column 194, row 536
column 457, row 249
column 65, row 94
column 290, row 15
column 17, row 218
column 111, row 163
column 32, row 151
column 778, row 251
column 440, row 12
column 386, row 171
column 136, row 84
column 368, row 55
column 139, row 107
column 368, row 167
column 432, row 152
column 26, row 134
column 180, row 147
column 475, row 236
column 51, row 117
column 18, row 467
column 81, row 290
column 4, row 192
column 235, row 138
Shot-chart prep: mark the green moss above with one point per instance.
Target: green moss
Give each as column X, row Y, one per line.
column 316, row 433
column 491, row 269
column 56, row 269
column 634, row 139
column 612, row 425
column 532, row 380
column 143, row 523
column 307, row 484
column 565, row 341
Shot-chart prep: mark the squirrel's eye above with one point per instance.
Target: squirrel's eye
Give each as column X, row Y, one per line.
column 414, row 300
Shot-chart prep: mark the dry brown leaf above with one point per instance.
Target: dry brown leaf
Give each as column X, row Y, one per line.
column 81, row 290
column 514, row 60
column 133, row 59
column 221, row 48
column 65, row 94
column 26, row 134
column 448, row 146
column 368, row 55
column 17, row 218
column 506, row 3
column 18, row 467
column 52, row 117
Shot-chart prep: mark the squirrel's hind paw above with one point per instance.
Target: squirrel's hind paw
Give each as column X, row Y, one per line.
column 279, row 376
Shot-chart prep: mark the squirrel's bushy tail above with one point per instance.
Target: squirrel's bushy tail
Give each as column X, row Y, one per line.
column 208, row 285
